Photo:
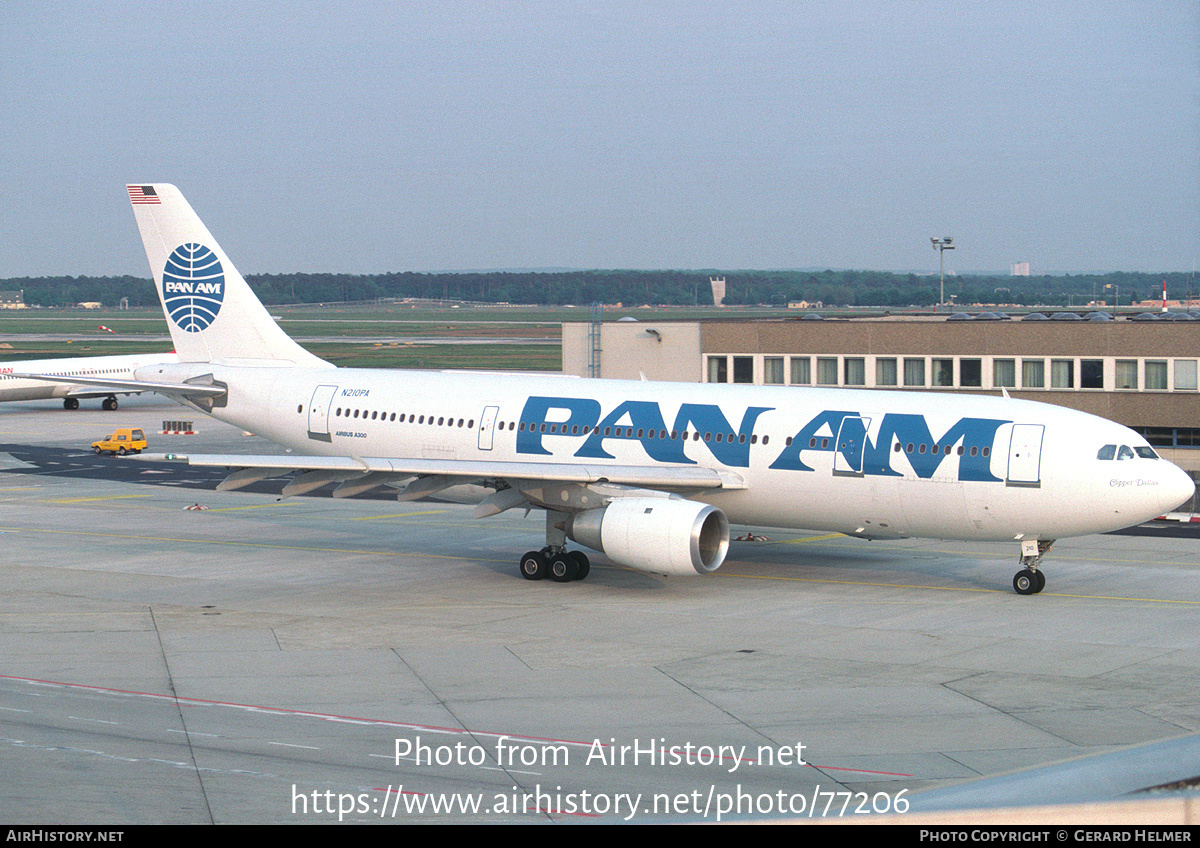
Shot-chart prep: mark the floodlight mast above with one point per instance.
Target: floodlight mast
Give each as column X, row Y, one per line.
column 941, row 245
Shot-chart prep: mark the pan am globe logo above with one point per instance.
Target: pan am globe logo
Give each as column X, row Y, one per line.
column 193, row 286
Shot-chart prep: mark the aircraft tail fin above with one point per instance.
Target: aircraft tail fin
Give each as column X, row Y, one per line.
column 212, row 313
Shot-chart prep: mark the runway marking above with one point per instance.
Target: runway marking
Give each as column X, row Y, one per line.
column 252, row 506
column 809, row 539
column 104, row 498
column 241, row 544
column 730, row 574
column 400, row 515
column 56, row 749
column 367, row 722
column 718, row 575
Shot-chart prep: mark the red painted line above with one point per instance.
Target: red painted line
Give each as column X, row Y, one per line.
column 379, row 722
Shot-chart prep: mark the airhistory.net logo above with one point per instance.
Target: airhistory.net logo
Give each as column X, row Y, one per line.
column 193, row 286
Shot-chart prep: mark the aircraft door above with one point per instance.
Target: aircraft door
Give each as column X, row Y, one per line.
column 851, row 442
column 1025, row 455
column 318, row 413
column 487, row 426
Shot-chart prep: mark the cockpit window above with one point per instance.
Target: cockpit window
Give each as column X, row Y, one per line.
column 1126, row 452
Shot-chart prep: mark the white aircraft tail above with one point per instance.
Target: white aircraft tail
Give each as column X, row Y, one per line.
column 211, row 311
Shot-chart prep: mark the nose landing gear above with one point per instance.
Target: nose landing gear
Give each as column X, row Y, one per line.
column 1030, row 580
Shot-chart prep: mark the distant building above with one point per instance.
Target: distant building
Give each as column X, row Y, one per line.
column 12, row 300
column 1019, row 269
column 1145, row 375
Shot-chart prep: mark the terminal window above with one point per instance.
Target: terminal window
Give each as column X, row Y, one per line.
column 1185, row 375
column 1004, row 373
column 801, row 371
column 1156, row 374
column 856, row 371
column 970, row 372
column 1062, row 373
column 1033, row 373
column 943, row 372
column 914, row 372
column 773, row 370
column 885, row 371
column 1127, row 374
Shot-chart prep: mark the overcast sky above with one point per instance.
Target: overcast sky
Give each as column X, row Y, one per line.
column 372, row 137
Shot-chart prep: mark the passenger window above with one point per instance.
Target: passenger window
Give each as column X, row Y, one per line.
column 1107, row 452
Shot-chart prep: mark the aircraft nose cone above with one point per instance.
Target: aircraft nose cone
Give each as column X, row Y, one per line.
column 1178, row 487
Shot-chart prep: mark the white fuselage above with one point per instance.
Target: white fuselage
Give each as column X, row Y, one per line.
column 866, row 462
column 102, row 367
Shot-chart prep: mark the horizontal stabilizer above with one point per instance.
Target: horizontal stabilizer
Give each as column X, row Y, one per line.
column 172, row 390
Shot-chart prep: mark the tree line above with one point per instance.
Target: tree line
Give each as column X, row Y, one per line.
column 833, row 288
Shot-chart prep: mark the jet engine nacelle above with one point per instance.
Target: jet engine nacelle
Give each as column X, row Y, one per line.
column 660, row 535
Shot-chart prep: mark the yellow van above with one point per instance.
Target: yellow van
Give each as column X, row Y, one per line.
column 123, row 441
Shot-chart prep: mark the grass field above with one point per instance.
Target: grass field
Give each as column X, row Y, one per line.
column 384, row 335
column 376, row 336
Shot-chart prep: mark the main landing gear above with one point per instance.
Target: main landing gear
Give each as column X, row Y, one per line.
column 554, row 560
column 561, row 566
column 110, row 403
column 1030, row 580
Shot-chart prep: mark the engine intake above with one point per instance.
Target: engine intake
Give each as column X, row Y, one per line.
column 659, row 535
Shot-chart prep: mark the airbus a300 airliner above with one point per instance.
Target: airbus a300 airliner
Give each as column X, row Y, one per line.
column 649, row 473
column 15, row 388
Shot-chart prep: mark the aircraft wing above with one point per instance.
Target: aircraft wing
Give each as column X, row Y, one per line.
column 346, row 467
column 171, row 390
column 85, row 393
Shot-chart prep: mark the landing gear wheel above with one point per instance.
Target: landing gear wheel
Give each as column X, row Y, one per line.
column 1030, row 580
column 1026, row 582
column 110, row 403
column 563, row 568
column 71, row 403
column 534, row 565
column 582, row 563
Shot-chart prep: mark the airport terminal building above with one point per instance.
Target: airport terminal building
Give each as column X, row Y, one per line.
column 1142, row 374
